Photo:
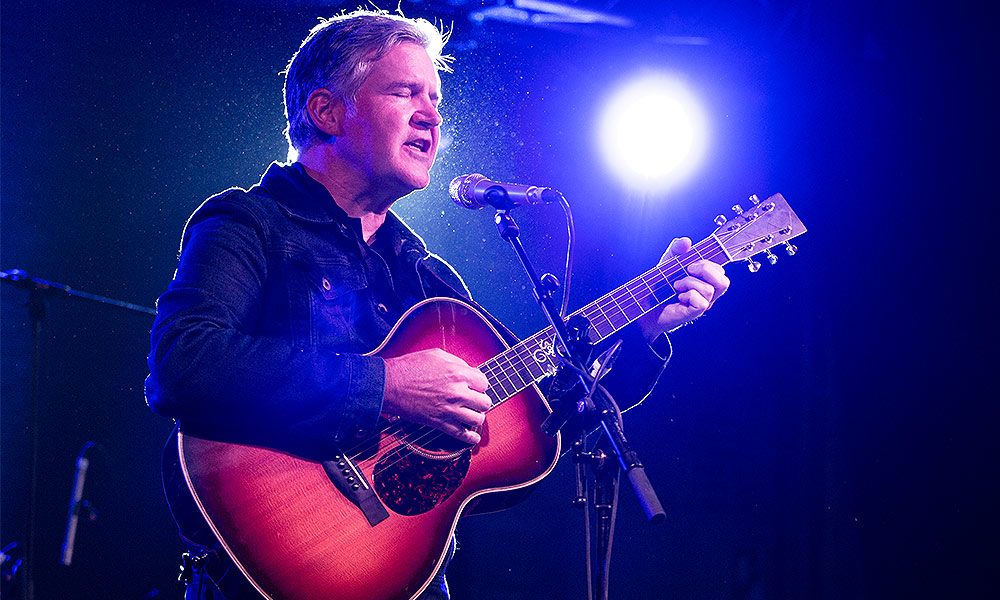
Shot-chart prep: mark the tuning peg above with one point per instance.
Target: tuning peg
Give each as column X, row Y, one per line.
column 754, row 199
column 720, row 220
column 737, row 209
column 791, row 248
column 771, row 258
column 753, row 265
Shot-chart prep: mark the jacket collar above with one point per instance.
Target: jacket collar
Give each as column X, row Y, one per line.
column 402, row 240
column 302, row 197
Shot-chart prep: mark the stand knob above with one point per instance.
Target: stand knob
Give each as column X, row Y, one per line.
column 550, row 281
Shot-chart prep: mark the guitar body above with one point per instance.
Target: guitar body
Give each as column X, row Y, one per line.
column 295, row 535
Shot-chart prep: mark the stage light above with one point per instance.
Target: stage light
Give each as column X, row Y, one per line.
column 652, row 133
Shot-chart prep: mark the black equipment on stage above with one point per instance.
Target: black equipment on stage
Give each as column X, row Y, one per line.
column 23, row 565
column 583, row 407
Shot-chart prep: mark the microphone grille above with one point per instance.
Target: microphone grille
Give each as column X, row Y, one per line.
column 460, row 190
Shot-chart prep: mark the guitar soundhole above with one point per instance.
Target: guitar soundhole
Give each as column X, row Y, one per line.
column 411, row 484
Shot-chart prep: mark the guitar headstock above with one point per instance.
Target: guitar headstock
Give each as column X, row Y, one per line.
column 756, row 230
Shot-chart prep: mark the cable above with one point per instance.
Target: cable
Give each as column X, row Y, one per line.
column 659, row 374
column 570, row 246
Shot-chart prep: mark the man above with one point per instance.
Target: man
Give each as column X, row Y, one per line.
column 280, row 289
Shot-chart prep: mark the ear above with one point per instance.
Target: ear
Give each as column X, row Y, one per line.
column 326, row 111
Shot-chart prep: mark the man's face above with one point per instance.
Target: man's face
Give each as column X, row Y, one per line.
column 391, row 136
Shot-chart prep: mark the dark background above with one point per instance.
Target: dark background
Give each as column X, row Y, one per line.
column 826, row 432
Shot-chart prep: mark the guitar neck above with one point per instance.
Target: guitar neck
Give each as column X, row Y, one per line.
column 763, row 226
column 532, row 359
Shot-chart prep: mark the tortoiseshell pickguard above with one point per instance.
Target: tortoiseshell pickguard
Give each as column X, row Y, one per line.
column 411, row 484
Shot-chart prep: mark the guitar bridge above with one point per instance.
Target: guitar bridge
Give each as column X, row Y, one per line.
column 351, row 482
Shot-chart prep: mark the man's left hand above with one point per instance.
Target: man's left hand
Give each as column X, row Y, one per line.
column 705, row 284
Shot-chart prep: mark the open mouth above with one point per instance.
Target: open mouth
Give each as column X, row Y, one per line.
column 420, row 145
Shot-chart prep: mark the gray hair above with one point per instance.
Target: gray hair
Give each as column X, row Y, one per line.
column 337, row 55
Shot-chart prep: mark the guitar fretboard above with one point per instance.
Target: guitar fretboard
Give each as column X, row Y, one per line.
column 533, row 358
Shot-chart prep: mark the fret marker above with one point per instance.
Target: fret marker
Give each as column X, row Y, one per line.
column 543, row 352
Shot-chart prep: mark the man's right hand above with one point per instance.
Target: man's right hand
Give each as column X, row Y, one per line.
column 438, row 389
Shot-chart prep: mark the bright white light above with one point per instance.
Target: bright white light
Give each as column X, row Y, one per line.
column 652, row 133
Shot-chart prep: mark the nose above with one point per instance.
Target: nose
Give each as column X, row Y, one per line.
column 428, row 117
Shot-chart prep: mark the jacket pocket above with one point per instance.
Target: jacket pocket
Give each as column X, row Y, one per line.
column 338, row 302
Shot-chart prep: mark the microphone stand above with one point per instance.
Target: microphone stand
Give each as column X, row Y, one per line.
column 591, row 405
column 38, row 290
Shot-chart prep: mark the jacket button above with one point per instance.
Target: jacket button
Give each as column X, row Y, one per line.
column 326, row 284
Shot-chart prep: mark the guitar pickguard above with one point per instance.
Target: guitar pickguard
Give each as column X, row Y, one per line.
column 411, row 484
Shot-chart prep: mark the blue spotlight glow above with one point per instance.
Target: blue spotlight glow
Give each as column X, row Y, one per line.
column 652, row 133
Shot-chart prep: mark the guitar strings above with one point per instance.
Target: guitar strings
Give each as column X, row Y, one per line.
column 425, row 434
column 428, row 434
column 493, row 369
column 420, row 432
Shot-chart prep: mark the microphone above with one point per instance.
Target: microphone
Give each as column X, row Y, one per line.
column 76, row 502
column 476, row 191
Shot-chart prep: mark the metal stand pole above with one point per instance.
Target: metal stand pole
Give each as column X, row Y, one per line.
column 592, row 407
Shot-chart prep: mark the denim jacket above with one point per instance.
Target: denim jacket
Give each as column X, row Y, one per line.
column 260, row 336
